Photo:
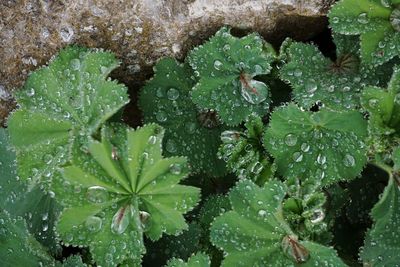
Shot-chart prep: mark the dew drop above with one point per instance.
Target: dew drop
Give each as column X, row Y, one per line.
column 290, row 139
column 190, row 127
column 152, row 139
column 363, row 18
column 335, row 20
column 175, row 169
column 161, row 116
column 172, row 94
column 75, row 64
column 317, row 216
column 97, row 194
column 254, row 91
column 305, row 147
column 311, row 87
column 262, row 213
column 230, row 136
column 93, row 223
column 120, row 220
column 395, row 19
column 385, row 3
column 373, row 102
column 170, row 146
column 349, row 160
column 217, row 64
column 297, row 156
column 30, row 92
column 257, row 168
column 298, row 73
column 321, row 159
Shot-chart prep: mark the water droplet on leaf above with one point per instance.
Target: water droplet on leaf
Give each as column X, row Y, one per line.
column 97, row 194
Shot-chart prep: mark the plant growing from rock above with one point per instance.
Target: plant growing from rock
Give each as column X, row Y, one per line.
column 313, row 181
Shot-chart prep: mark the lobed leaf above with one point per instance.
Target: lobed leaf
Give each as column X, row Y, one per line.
column 122, row 189
column 254, row 232
column 69, row 97
column 226, row 67
column 165, row 99
column 334, row 84
column 323, row 147
column 376, row 21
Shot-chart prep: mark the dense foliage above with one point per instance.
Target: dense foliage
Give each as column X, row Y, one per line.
column 228, row 169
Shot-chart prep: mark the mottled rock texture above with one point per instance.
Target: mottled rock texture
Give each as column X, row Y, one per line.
column 138, row 31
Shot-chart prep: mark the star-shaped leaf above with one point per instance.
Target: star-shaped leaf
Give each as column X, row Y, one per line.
column 197, row 260
column 382, row 243
column 255, row 234
column 336, row 84
column 244, row 152
column 376, row 21
column 120, row 190
column 189, row 132
column 322, row 147
column 70, row 97
column 226, row 67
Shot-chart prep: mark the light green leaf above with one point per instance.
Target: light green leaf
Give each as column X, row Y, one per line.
column 69, row 97
column 323, row 147
column 383, row 106
column 120, row 190
column 244, row 152
column 226, row 67
column 198, row 260
column 382, row 243
column 255, row 234
column 189, row 132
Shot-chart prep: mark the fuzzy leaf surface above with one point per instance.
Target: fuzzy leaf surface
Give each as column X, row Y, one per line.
column 122, row 189
column 226, row 67
column 165, row 99
column 39, row 209
column 375, row 21
column 322, row 147
column 69, row 97
column 336, row 84
column 251, row 234
column 17, row 246
column 382, row 242
column 384, row 106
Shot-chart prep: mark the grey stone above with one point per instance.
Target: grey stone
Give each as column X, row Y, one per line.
column 139, row 32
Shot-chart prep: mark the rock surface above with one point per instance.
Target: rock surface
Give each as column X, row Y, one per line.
column 138, row 31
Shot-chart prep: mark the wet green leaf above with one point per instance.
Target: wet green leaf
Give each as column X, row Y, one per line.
column 189, row 132
column 244, row 153
column 39, row 209
column 17, row 246
column 120, row 190
column 322, row 147
column 255, row 234
column 376, row 21
column 335, row 84
column 226, row 67
column 382, row 243
column 383, row 106
column 198, row 260
column 70, row 97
